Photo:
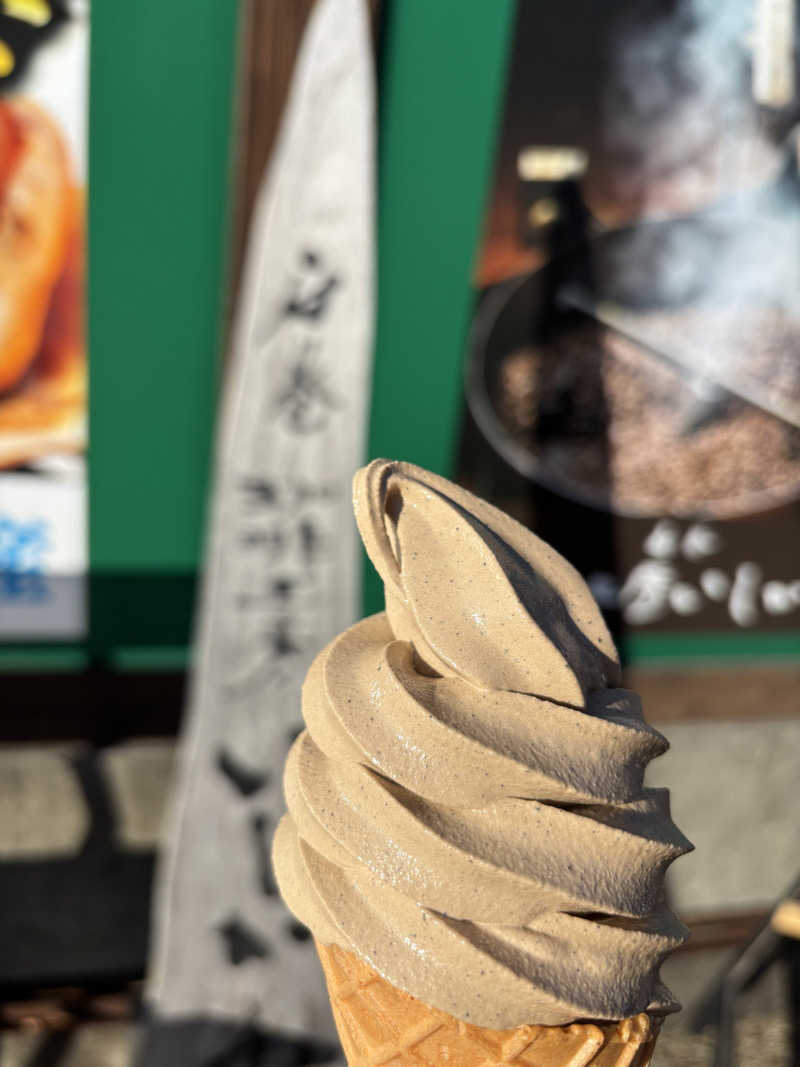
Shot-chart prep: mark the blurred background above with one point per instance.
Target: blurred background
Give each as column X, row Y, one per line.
column 583, row 304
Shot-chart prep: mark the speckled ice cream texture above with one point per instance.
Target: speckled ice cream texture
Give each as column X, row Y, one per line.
column 466, row 806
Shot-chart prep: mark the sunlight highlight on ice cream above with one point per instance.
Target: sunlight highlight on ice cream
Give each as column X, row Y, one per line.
column 466, row 806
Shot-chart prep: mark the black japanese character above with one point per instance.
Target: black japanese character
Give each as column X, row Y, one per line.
column 242, row 942
column 272, row 541
column 313, row 290
column 280, row 640
column 304, row 492
column 282, row 588
column 246, row 780
column 259, row 834
column 270, row 666
column 305, row 398
column 298, row 932
column 295, row 732
column 310, row 541
column 261, row 492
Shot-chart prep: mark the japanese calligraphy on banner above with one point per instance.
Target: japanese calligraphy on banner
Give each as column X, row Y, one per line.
column 43, row 113
column 283, row 560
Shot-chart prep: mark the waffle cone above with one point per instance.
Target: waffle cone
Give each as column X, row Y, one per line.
column 379, row 1024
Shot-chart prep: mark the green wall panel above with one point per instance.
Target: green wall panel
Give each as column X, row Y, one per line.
column 162, row 78
column 442, row 80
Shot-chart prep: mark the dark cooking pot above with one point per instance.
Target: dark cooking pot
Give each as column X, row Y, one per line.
column 527, row 310
column 519, row 312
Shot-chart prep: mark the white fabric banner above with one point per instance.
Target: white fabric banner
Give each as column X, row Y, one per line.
column 283, row 573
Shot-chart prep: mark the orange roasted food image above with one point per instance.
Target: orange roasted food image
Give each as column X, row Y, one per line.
column 42, row 371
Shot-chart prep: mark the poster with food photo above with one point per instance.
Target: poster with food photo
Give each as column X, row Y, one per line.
column 633, row 377
column 43, row 372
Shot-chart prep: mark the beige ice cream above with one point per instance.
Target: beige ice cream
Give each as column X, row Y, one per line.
column 466, row 807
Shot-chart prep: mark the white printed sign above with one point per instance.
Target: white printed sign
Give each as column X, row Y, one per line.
column 44, row 56
column 655, row 588
column 43, row 554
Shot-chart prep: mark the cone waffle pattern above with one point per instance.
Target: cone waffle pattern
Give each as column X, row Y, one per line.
column 379, row 1024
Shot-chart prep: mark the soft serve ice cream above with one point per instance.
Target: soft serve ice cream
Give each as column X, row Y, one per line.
column 466, row 806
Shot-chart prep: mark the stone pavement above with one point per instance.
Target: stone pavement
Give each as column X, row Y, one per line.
column 762, row 1032
column 731, row 782
column 93, row 1045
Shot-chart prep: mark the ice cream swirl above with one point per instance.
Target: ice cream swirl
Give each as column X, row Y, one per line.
column 466, row 807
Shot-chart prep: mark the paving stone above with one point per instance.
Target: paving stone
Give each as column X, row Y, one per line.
column 18, row 1047
column 42, row 810
column 734, row 789
column 762, row 1032
column 690, row 975
column 91, row 1045
column 100, row 1045
column 761, row 1041
column 139, row 774
column 43, row 813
